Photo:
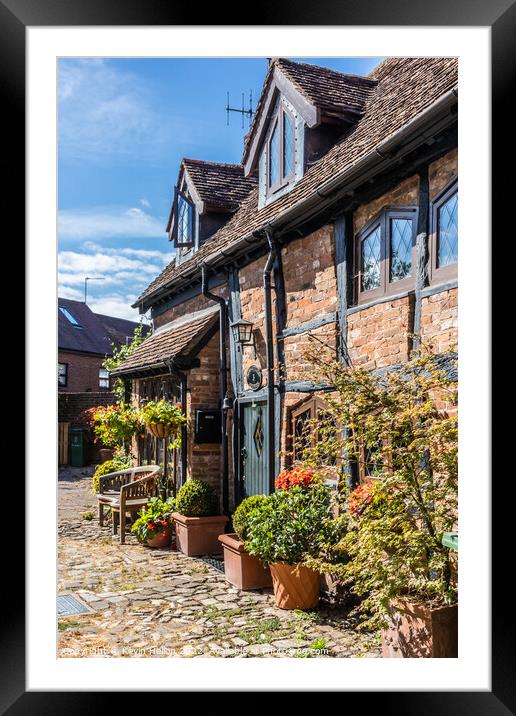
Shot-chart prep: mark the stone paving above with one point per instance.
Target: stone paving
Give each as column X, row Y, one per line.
column 160, row 603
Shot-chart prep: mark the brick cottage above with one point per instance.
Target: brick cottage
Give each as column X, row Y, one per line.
column 340, row 224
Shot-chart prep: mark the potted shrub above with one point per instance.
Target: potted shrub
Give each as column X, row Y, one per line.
column 163, row 420
column 406, row 419
column 197, row 520
column 242, row 569
column 288, row 528
column 154, row 524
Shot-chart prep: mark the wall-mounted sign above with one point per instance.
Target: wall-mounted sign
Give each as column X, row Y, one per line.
column 254, row 378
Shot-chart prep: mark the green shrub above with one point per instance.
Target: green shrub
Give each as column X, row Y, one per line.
column 242, row 512
column 197, row 499
column 121, row 461
column 293, row 525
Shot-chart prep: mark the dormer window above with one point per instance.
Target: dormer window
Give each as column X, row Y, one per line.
column 280, row 151
column 183, row 229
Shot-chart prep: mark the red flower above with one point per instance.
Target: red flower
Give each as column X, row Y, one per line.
column 164, row 523
column 295, row 476
column 360, row 498
column 150, row 526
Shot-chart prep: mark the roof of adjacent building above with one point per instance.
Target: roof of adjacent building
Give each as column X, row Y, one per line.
column 181, row 338
column 405, row 87
column 95, row 332
column 218, row 184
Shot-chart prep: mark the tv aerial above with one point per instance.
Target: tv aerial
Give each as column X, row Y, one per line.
column 243, row 111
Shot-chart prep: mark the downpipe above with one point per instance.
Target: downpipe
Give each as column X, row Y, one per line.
column 269, row 344
column 223, row 384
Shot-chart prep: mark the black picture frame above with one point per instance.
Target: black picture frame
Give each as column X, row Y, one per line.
column 500, row 16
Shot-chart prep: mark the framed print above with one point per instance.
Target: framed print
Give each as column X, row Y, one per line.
column 212, row 203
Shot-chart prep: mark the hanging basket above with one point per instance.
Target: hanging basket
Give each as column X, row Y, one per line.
column 161, row 431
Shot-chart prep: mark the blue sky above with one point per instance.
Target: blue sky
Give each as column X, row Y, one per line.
column 123, row 127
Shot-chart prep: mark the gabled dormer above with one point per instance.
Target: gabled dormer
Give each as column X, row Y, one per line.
column 205, row 197
column 303, row 110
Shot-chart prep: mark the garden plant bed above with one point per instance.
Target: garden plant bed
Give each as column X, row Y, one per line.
column 159, row 603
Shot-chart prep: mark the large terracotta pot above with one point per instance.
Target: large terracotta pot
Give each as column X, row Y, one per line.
column 162, row 539
column 295, row 586
column 243, row 570
column 161, row 431
column 196, row 536
column 420, row 631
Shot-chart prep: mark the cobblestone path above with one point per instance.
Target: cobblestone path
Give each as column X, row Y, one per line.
column 160, row 603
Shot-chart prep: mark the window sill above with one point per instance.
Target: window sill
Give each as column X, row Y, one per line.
column 380, row 299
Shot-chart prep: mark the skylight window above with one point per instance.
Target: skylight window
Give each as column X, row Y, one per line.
column 66, row 313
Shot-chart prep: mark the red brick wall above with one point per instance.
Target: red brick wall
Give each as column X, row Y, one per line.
column 251, row 300
column 197, row 303
column 310, row 277
column 379, row 335
column 406, row 193
column 439, row 320
column 83, row 372
column 204, row 461
column 442, row 171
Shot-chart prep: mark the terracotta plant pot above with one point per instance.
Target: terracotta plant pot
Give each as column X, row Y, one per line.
column 243, row 570
column 161, row 431
column 420, row 631
column 196, row 536
column 106, row 454
column 162, row 539
column 295, row 586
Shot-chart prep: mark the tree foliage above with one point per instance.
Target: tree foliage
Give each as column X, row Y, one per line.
column 406, row 419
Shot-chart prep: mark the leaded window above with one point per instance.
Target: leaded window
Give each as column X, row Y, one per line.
column 184, row 215
column 288, row 145
column 371, row 260
column 401, row 249
column 384, row 253
column 280, row 149
column 274, row 156
column 447, row 235
column 444, row 234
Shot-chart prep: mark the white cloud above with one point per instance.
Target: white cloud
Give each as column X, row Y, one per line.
column 146, row 203
column 109, row 222
column 126, row 273
column 118, row 305
column 106, row 111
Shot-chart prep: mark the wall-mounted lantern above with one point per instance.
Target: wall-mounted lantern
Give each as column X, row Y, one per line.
column 242, row 332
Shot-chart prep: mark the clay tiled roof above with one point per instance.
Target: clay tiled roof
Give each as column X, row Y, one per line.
column 95, row 332
column 406, row 87
column 220, row 185
column 180, row 339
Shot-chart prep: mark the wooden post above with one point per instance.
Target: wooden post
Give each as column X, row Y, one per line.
column 344, row 271
column 421, row 254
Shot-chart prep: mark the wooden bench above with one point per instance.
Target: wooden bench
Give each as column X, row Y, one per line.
column 126, row 491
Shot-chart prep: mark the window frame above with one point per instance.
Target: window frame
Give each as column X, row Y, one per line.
column 175, row 227
column 313, row 405
column 104, row 387
column 387, row 287
column 65, row 384
column 277, row 122
column 444, row 273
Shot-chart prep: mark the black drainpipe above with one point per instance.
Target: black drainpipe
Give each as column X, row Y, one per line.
column 267, row 296
column 223, row 385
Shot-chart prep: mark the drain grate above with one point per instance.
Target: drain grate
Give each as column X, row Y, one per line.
column 67, row 605
column 217, row 562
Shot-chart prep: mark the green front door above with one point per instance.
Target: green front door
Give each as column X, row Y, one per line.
column 254, row 463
